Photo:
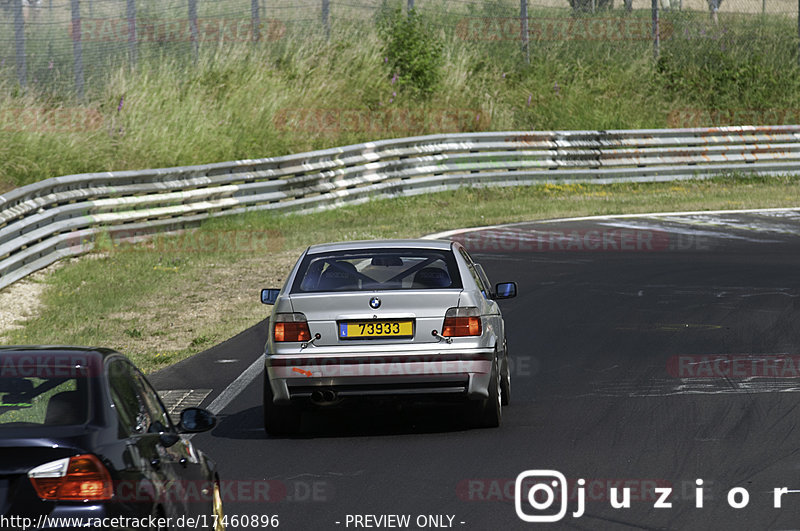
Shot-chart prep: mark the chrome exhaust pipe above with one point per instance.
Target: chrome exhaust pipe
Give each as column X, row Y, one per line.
column 323, row 396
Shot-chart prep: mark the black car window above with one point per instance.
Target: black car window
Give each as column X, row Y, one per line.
column 48, row 390
column 377, row 269
column 132, row 411
column 49, row 401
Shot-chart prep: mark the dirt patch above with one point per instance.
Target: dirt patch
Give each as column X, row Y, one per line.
column 23, row 299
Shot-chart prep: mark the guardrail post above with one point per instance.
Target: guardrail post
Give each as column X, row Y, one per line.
column 19, row 39
column 193, row 29
column 77, row 47
column 255, row 15
column 656, row 30
column 131, row 14
column 326, row 16
column 523, row 31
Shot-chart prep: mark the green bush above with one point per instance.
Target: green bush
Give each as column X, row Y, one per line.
column 413, row 53
column 734, row 64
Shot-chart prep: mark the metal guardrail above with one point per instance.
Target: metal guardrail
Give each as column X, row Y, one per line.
column 62, row 216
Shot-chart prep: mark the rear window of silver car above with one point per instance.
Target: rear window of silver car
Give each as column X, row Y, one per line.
column 370, row 270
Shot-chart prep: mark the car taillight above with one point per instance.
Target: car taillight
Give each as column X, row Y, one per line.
column 291, row 327
column 78, row 478
column 459, row 322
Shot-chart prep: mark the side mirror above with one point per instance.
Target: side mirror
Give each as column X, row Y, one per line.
column 269, row 296
column 505, row 290
column 196, row 420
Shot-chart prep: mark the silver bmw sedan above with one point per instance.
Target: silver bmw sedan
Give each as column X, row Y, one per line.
column 392, row 319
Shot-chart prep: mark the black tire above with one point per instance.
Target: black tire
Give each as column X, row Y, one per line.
column 279, row 420
column 490, row 411
column 505, row 377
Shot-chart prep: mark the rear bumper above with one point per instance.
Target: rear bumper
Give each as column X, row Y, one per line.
column 457, row 373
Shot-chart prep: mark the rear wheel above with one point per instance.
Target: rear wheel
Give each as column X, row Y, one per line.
column 505, row 378
column 279, row 420
column 490, row 411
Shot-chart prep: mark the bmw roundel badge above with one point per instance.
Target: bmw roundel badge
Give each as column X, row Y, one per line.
column 374, row 303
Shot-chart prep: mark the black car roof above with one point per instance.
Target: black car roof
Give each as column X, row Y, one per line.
column 58, row 350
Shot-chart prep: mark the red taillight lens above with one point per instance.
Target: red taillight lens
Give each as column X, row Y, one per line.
column 291, row 327
column 78, row 478
column 460, row 322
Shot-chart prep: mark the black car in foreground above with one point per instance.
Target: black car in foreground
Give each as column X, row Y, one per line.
column 85, row 441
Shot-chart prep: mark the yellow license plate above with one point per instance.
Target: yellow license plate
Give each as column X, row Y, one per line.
column 371, row 329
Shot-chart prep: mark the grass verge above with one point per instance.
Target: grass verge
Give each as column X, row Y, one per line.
column 165, row 299
column 301, row 92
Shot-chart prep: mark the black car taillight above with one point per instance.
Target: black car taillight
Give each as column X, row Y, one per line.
column 291, row 327
column 460, row 322
column 78, row 478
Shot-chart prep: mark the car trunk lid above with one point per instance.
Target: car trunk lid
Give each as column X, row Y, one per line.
column 326, row 312
column 17, row 457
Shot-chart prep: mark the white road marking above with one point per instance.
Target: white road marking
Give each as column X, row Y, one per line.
column 447, row 234
column 177, row 399
column 687, row 230
column 237, row 386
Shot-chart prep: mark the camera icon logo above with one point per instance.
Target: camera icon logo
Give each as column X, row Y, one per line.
column 540, row 489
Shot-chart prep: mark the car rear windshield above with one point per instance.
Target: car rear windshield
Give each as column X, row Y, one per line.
column 44, row 394
column 369, row 270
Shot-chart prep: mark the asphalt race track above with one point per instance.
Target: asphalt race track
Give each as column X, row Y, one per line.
column 649, row 352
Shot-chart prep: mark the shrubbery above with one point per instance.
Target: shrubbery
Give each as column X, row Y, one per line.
column 413, row 52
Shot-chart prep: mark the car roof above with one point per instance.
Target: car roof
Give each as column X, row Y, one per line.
column 58, row 350
column 360, row 245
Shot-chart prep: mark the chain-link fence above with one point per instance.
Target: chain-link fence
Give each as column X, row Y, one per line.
column 72, row 45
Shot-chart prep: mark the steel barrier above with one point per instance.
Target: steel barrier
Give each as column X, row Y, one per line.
column 62, row 216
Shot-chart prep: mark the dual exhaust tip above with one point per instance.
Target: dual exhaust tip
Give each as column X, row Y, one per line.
column 324, row 396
